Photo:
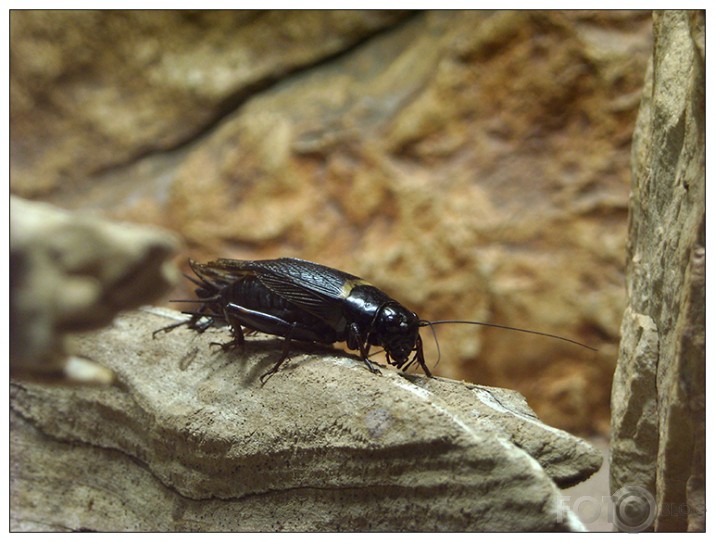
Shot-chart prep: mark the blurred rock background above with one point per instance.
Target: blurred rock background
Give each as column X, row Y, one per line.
column 474, row 165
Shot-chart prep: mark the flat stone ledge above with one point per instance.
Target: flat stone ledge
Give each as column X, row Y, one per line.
column 188, row 439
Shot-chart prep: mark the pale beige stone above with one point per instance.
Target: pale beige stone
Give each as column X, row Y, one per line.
column 188, row 439
column 71, row 272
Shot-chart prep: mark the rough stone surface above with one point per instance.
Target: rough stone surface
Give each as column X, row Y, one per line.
column 108, row 87
column 472, row 164
column 188, row 439
column 72, row 272
column 658, row 399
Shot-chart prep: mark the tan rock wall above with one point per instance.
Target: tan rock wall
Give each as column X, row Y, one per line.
column 472, row 164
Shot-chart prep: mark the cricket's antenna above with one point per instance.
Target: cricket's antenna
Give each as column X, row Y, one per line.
column 424, row 323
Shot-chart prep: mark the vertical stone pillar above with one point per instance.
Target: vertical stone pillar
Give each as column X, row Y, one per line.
column 658, row 397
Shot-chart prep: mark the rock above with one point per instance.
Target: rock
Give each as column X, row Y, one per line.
column 473, row 164
column 72, row 272
column 658, row 398
column 188, row 440
column 114, row 86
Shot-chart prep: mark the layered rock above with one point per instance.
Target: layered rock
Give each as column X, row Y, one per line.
column 189, row 439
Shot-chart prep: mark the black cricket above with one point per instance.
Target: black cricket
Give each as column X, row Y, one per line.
column 306, row 301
